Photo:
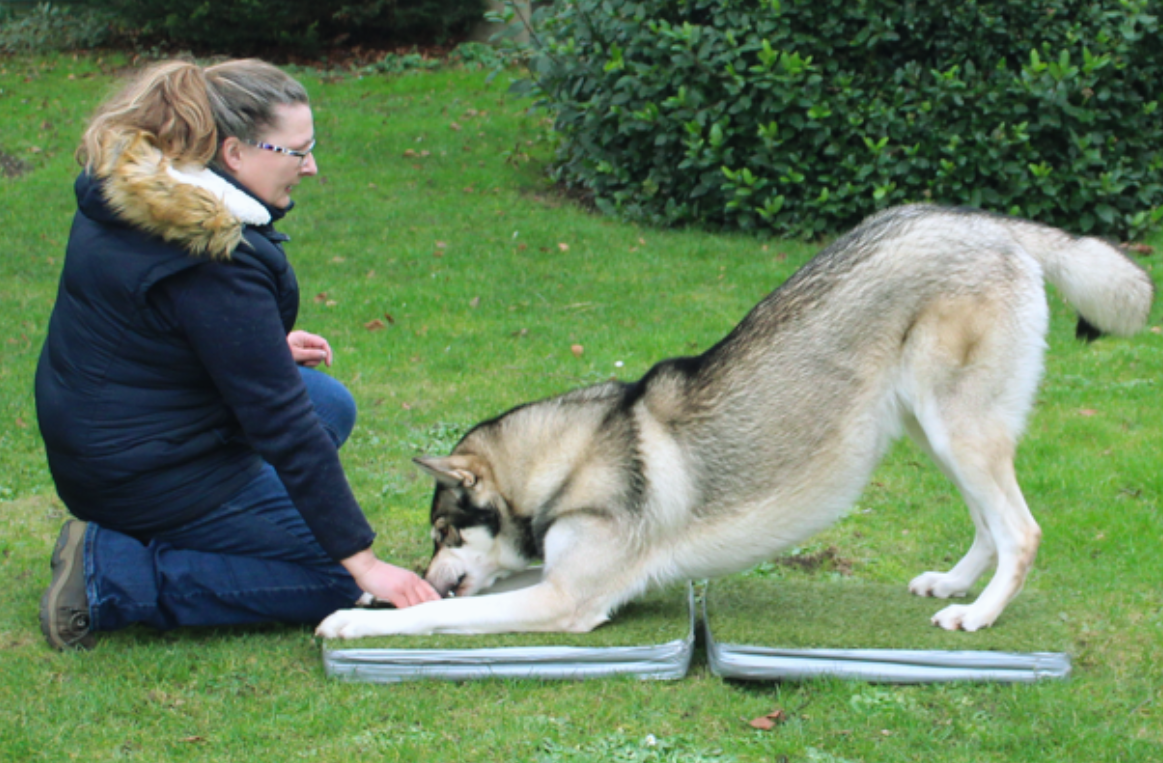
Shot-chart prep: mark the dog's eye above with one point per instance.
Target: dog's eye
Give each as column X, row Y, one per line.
column 445, row 533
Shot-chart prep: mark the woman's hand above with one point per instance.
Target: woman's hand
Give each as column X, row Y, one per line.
column 401, row 587
column 309, row 349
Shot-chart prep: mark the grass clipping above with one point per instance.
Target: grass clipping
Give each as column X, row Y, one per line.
column 844, row 613
column 659, row 617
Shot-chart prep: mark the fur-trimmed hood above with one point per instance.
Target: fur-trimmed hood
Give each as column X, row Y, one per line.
column 193, row 207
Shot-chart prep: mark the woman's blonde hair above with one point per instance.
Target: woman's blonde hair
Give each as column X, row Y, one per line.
column 187, row 111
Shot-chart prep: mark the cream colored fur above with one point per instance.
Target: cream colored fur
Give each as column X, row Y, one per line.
column 189, row 206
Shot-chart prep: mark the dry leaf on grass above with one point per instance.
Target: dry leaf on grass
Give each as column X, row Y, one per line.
column 769, row 721
column 375, row 325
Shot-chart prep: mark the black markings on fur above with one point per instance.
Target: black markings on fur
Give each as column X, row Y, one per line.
column 619, row 434
column 635, row 391
column 685, row 370
column 1086, row 331
column 530, row 545
column 533, row 530
column 455, row 506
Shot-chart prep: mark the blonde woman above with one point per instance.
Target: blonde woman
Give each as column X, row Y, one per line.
column 184, row 423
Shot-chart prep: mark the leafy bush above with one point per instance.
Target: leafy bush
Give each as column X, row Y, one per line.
column 803, row 116
column 42, row 27
column 241, row 26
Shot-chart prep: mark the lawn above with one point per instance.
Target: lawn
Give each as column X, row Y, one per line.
column 454, row 282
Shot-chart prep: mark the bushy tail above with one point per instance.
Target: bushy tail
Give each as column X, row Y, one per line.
column 1111, row 293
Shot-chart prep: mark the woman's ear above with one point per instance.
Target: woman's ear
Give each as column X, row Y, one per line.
column 230, row 154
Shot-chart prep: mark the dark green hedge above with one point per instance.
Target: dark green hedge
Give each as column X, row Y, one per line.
column 242, row 26
column 803, row 116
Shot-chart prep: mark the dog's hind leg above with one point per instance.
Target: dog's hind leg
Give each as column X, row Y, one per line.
column 978, row 457
column 971, row 370
column 982, row 554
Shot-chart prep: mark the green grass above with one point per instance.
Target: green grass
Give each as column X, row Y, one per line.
column 462, row 247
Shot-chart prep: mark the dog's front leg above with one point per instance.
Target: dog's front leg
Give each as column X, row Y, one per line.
column 589, row 570
column 542, row 607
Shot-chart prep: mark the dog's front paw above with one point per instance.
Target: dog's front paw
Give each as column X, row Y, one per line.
column 962, row 617
column 352, row 623
column 941, row 585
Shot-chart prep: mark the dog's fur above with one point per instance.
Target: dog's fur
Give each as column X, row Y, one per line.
column 924, row 320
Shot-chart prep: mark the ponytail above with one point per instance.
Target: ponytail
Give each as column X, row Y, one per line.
column 186, row 111
column 169, row 103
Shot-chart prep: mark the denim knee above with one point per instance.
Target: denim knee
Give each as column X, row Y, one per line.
column 333, row 403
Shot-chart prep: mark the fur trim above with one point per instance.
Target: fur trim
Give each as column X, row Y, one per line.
column 191, row 206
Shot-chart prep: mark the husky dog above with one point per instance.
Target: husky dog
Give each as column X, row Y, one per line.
column 924, row 320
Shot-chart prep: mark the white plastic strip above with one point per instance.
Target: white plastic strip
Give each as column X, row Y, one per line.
column 668, row 661
column 756, row 663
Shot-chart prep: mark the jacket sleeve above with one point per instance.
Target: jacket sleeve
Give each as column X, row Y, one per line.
column 229, row 313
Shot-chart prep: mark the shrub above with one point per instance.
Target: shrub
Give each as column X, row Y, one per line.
column 43, row 27
column 803, row 116
column 244, row 26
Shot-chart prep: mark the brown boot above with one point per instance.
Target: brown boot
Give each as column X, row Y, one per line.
column 64, row 608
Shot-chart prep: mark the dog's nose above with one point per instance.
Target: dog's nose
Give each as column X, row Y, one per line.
column 445, row 584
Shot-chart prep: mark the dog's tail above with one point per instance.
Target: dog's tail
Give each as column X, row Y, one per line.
column 1111, row 293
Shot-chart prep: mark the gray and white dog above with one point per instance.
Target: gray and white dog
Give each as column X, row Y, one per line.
column 924, row 320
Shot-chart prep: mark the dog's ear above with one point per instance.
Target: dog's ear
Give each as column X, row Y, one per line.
column 452, row 471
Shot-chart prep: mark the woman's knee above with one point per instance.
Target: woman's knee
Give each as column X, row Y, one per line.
column 333, row 403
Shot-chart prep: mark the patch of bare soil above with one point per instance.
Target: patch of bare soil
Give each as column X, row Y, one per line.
column 11, row 167
column 828, row 560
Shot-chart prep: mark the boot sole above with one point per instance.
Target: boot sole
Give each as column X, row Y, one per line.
column 64, row 556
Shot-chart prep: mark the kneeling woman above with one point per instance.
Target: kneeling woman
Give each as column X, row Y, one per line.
column 185, row 425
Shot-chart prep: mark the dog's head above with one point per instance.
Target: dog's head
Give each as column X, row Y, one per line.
column 478, row 540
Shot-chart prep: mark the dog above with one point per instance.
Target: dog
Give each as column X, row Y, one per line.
column 923, row 320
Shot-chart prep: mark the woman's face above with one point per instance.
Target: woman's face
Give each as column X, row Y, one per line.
column 272, row 175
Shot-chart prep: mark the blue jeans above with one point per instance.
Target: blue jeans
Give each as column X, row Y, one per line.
column 251, row 560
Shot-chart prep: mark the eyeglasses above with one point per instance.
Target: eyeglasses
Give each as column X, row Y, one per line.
column 300, row 155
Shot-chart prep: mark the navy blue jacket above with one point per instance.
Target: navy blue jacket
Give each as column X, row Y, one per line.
column 165, row 381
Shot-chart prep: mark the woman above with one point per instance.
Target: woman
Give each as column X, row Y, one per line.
column 184, row 424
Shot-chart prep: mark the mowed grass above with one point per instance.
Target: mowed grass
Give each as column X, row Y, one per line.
column 453, row 282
